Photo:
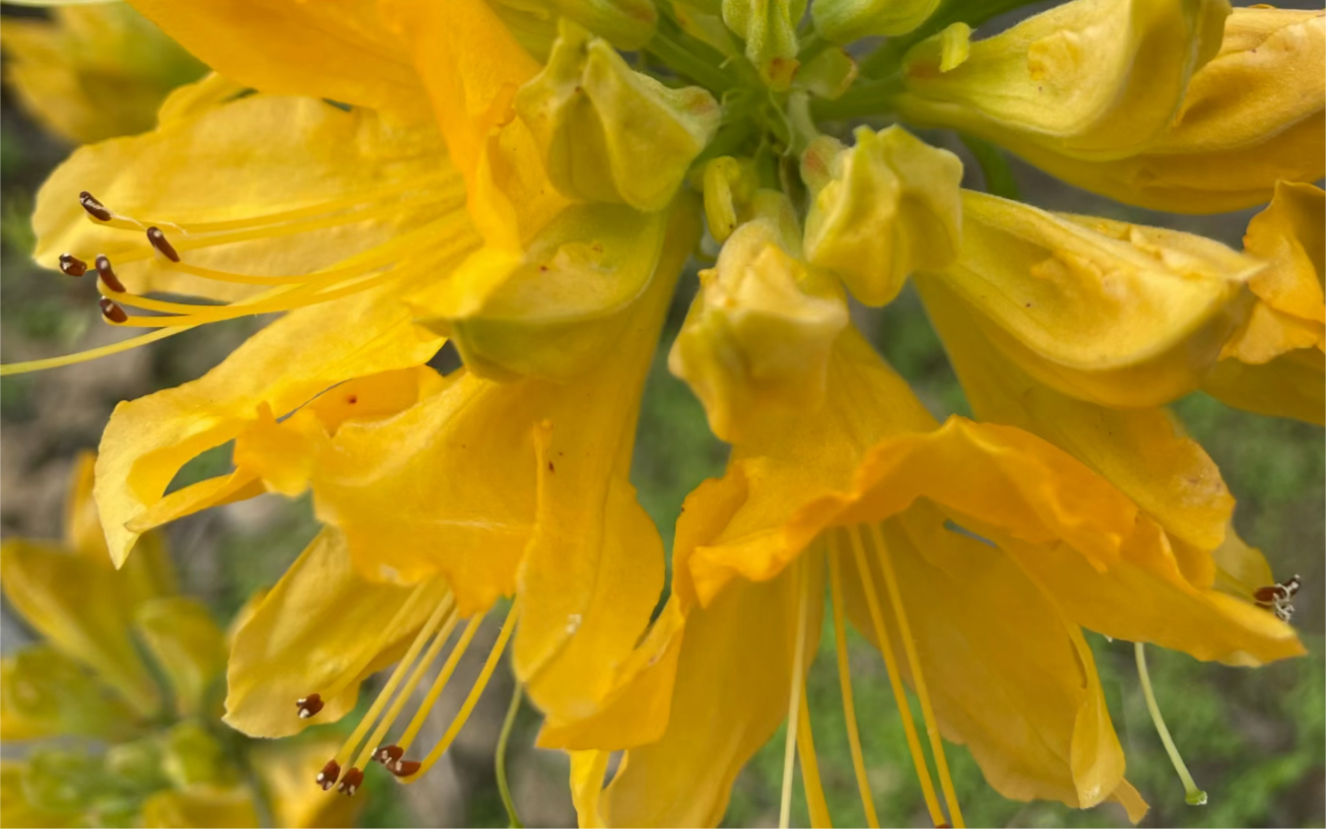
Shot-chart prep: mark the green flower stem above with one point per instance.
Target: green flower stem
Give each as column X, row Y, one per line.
column 1194, row 795
column 503, row 788
column 998, row 175
column 862, row 100
column 684, row 62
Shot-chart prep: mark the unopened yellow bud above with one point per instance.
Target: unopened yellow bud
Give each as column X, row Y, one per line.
column 882, row 209
column 1105, row 311
column 1092, row 79
column 830, row 74
column 759, row 333
column 769, row 28
column 610, row 133
column 842, row 21
column 1254, row 115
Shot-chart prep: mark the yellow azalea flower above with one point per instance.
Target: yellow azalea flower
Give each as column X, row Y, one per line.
column 131, row 747
column 519, row 178
column 968, row 553
column 95, row 71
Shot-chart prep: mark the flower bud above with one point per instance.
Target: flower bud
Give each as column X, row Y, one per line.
column 760, row 332
column 769, row 28
column 610, row 133
column 1090, row 79
column 842, row 21
column 1104, row 311
column 1254, row 115
column 882, row 209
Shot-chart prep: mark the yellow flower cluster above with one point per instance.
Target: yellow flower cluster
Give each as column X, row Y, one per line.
column 528, row 179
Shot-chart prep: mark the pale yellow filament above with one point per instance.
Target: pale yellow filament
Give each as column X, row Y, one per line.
column 798, row 576
column 895, row 678
column 473, row 699
column 439, row 683
column 918, row 678
column 347, row 749
column 845, row 682
column 389, row 719
column 810, row 768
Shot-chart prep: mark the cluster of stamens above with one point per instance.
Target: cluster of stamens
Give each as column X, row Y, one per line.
column 345, row 770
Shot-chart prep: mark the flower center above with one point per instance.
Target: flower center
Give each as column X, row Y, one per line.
column 424, row 651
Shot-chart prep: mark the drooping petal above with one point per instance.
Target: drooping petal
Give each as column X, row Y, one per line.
column 1252, row 116
column 338, row 51
column 1141, row 451
column 1008, row 676
column 307, row 632
column 1288, row 386
column 734, row 675
column 246, row 158
column 149, row 440
column 1272, row 364
column 1092, row 79
column 1110, row 567
column 1117, row 314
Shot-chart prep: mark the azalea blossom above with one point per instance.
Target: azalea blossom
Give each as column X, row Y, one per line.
column 527, row 181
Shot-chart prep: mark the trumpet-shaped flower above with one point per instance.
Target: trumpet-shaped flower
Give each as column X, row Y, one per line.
column 517, row 178
column 946, row 548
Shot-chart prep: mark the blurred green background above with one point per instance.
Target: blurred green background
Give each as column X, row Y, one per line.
column 1254, row 739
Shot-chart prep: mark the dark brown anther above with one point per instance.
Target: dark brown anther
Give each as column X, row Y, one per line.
column 163, row 245
column 94, row 208
column 71, row 265
column 107, row 275
column 354, row 778
column 329, row 775
column 404, row 768
column 309, row 705
column 389, row 755
column 112, row 312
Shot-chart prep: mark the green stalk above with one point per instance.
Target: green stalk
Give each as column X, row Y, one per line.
column 1192, row 794
column 503, row 788
column 682, row 61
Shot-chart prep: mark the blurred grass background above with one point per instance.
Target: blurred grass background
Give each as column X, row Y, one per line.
column 1254, row 739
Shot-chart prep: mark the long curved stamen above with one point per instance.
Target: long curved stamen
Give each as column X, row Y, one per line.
column 470, row 701
column 1193, row 795
column 810, row 767
column 169, row 242
column 895, row 678
column 347, row 749
column 918, row 678
column 794, row 696
column 845, row 683
column 370, row 750
column 395, row 751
